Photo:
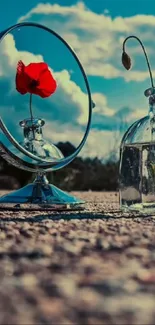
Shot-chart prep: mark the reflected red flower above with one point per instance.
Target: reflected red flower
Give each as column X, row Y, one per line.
column 35, row 78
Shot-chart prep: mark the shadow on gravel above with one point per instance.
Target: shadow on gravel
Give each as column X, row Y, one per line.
column 76, row 215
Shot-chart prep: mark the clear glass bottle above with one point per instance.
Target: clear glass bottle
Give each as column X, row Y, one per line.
column 137, row 156
column 34, row 141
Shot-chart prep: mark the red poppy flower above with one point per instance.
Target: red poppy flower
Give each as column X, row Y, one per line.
column 35, row 78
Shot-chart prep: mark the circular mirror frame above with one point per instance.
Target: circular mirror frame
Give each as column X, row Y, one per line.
column 45, row 165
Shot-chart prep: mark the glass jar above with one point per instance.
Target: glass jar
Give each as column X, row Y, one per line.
column 34, row 141
column 137, row 162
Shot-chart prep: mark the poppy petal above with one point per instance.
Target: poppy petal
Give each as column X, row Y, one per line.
column 20, row 67
column 35, row 78
column 47, row 84
column 33, row 70
column 21, row 85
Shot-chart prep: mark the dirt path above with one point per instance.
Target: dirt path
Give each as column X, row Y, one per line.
column 93, row 267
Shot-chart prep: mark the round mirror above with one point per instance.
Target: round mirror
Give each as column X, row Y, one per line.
column 46, row 103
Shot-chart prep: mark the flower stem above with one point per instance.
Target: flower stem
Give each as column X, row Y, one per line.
column 31, row 114
column 146, row 57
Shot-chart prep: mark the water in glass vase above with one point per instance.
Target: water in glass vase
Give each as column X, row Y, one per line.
column 137, row 176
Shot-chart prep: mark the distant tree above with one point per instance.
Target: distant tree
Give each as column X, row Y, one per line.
column 81, row 174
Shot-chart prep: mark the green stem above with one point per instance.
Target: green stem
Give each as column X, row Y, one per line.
column 31, row 114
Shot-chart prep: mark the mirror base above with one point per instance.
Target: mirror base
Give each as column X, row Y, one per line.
column 40, row 195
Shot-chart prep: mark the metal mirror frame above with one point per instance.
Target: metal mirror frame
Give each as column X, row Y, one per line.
column 64, row 161
column 41, row 194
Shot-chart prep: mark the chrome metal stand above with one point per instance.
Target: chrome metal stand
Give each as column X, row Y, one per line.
column 42, row 194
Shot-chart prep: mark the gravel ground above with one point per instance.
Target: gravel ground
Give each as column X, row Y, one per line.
column 92, row 267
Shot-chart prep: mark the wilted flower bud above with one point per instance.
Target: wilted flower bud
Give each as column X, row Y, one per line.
column 126, row 61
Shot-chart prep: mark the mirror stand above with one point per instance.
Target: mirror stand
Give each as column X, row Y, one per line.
column 43, row 194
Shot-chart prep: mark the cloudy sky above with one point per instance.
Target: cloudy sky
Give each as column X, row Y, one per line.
column 95, row 29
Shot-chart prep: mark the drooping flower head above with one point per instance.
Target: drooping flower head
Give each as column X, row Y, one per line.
column 126, row 61
column 35, row 78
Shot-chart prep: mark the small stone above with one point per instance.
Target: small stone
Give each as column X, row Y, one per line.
column 67, row 286
column 137, row 251
column 28, row 280
column 98, row 244
column 146, row 277
column 47, row 250
column 26, row 233
column 2, row 235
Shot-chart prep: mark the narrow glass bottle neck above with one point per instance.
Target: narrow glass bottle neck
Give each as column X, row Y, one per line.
column 33, row 133
column 32, row 129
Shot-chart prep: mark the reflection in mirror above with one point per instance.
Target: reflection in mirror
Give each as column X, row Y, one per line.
column 44, row 100
column 18, row 159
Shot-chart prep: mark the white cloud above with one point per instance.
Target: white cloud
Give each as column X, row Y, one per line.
column 97, row 38
column 108, row 71
column 72, row 94
column 137, row 114
column 102, row 105
column 79, row 11
column 10, row 56
column 102, row 143
column 98, row 144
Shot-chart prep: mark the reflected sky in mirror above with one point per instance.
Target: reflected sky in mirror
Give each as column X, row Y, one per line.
column 66, row 111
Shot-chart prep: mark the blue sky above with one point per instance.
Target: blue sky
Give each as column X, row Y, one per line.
column 116, row 8
column 95, row 30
